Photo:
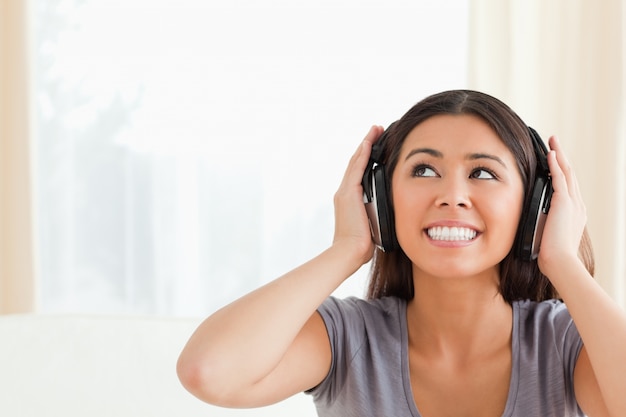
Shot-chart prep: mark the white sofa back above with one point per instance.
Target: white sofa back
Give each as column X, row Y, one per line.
column 80, row 365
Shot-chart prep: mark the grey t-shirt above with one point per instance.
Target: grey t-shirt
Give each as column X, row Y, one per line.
column 369, row 375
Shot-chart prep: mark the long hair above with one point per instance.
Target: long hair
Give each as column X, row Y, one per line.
column 392, row 272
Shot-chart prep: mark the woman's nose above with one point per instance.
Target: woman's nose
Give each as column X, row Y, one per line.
column 454, row 192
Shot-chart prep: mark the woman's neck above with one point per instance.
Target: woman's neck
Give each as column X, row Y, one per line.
column 458, row 316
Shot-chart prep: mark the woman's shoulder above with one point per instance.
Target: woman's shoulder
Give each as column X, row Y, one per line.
column 552, row 308
column 545, row 347
column 544, row 320
column 385, row 306
column 382, row 315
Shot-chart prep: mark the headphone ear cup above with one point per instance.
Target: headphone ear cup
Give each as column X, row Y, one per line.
column 386, row 220
column 531, row 227
column 535, row 212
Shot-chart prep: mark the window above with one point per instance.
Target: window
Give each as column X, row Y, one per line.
column 188, row 152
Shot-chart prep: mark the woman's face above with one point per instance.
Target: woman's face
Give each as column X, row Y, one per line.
column 457, row 197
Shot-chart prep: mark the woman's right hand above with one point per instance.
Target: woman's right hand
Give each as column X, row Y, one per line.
column 352, row 230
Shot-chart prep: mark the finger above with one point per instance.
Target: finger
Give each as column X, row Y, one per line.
column 374, row 134
column 565, row 185
column 565, row 167
column 365, row 146
column 559, row 182
column 358, row 162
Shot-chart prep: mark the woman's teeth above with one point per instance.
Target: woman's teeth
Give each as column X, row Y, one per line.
column 451, row 233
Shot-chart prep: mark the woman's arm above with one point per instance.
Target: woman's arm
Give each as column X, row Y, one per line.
column 600, row 374
column 271, row 343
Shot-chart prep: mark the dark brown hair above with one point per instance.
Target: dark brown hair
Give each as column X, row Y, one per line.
column 392, row 272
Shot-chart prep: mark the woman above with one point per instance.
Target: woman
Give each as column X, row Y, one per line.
column 455, row 323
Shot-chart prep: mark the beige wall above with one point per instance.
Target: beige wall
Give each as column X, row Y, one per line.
column 16, row 256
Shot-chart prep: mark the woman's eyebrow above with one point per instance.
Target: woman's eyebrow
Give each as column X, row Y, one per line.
column 475, row 156
column 432, row 152
column 438, row 154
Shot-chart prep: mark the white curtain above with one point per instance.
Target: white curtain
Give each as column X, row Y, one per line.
column 188, row 151
column 17, row 289
column 561, row 65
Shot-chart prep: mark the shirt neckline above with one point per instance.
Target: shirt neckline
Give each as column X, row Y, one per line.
column 515, row 362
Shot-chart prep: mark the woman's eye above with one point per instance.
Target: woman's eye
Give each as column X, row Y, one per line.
column 424, row 171
column 482, row 174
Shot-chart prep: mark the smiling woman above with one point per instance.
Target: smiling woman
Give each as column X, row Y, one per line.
column 444, row 318
column 164, row 132
column 475, row 203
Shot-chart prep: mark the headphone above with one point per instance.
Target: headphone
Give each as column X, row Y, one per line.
column 376, row 196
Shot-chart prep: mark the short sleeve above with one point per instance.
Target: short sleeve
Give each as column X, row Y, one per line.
column 368, row 373
column 549, row 349
column 345, row 332
column 568, row 340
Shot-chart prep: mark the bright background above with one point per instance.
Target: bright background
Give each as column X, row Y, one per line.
column 163, row 158
column 187, row 152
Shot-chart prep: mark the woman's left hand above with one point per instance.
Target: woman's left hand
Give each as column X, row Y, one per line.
column 566, row 218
